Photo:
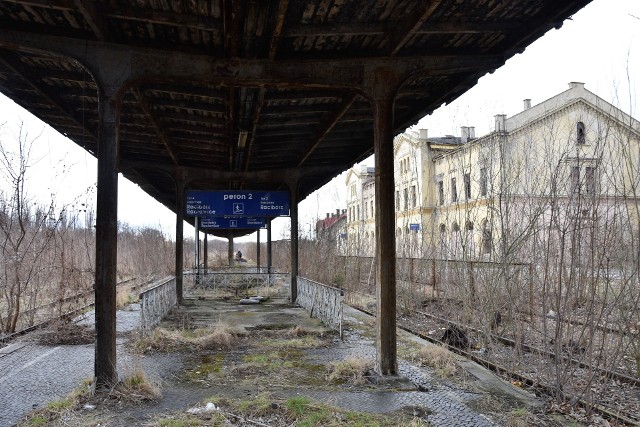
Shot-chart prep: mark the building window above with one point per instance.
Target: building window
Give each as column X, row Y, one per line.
column 590, row 180
column 580, row 137
column 372, row 211
column 483, row 181
column 575, row 180
column 406, row 199
column 397, row 200
column 486, row 239
column 467, row 185
column 585, row 184
column 353, row 191
column 414, row 200
column 454, row 191
column 440, row 193
column 358, row 212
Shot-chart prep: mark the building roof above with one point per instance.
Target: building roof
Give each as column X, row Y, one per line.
column 251, row 95
column 329, row 222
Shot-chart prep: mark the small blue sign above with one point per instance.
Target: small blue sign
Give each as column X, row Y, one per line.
column 414, row 227
column 243, row 203
column 230, row 222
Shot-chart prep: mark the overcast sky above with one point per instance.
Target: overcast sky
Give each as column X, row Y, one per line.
column 599, row 46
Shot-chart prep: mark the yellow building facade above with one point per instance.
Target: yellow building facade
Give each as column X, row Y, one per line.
column 559, row 176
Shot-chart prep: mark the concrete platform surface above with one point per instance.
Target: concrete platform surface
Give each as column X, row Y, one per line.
column 32, row 374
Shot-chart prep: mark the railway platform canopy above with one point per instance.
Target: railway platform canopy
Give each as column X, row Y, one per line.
column 250, row 95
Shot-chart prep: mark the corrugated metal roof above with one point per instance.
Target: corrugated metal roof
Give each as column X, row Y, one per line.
column 284, row 74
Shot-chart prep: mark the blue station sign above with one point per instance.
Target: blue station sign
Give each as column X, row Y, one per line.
column 229, row 222
column 238, row 203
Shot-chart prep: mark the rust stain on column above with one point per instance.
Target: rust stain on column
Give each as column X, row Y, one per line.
column 106, row 245
column 179, row 237
column 294, row 245
column 386, row 363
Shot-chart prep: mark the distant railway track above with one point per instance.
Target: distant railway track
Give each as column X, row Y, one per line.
column 536, row 350
column 64, row 316
column 631, row 419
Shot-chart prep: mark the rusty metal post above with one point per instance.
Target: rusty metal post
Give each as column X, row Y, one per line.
column 383, row 96
column 532, row 306
column 230, row 252
column 196, row 223
column 294, row 243
column 472, row 281
column 269, row 259
column 179, row 236
column 258, row 250
column 205, row 255
column 106, row 373
column 433, row 278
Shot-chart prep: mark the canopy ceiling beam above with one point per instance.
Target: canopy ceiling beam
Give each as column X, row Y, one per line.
column 144, row 104
column 141, row 64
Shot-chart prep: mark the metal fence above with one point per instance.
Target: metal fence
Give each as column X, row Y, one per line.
column 235, row 279
column 322, row 301
column 156, row 302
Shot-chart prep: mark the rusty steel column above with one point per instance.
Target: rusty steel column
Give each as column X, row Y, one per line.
column 383, row 96
column 258, row 251
column 205, row 254
column 230, row 248
column 269, row 259
column 294, row 243
column 106, row 374
column 196, row 255
column 179, row 236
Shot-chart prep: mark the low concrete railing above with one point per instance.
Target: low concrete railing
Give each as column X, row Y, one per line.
column 156, row 302
column 322, row 301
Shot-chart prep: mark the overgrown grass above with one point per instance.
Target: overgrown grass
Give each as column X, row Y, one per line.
column 135, row 387
column 351, row 371
column 57, row 409
column 217, row 337
column 518, row 418
column 440, row 359
column 301, row 411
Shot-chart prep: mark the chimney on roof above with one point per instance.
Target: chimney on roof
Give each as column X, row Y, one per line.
column 464, row 133
column 573, row 85
column 344, row 211
column 527, row 104
column 472, row 132
column 424, row 134
column 328, row 214
column 500, row 122
column 337, row 212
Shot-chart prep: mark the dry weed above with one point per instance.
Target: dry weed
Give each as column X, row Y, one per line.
column 161, row 340
column 63, row 332
column 135, row 387
column 352, row 371
column 218, row 337
column 298, row 331
column 440, row 359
